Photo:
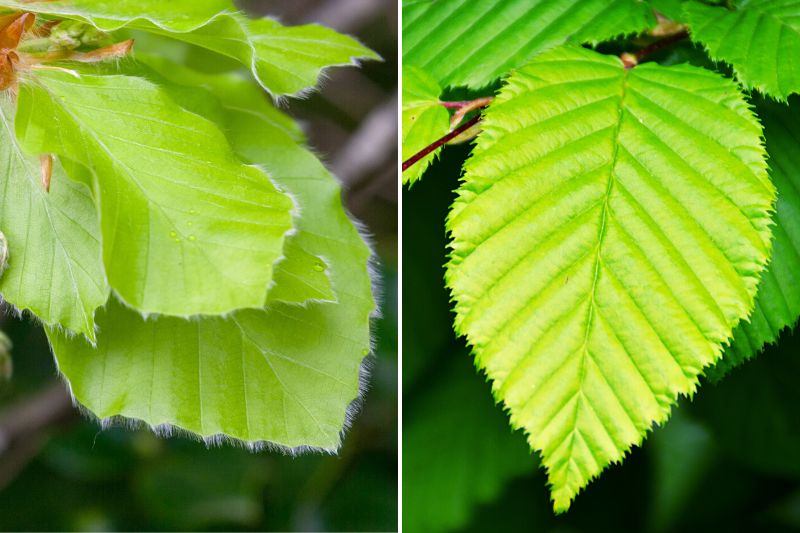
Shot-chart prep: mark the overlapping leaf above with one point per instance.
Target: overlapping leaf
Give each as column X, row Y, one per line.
column 778, row 300
column 459, row 454
column 187, row 229
column 286, row 374
column 284, row 59
column 424, row 120
column 463, row 42
column 609, row 234
column 759, row 38
column 55, row 268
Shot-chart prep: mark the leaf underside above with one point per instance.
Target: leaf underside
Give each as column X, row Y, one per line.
column 778, row 300
column 210, row 253
column 285, row 60
column 609, row 233
column 285, row 375
column 463, row 42
column 54, row 268
column 424, row 120
column 760, row 39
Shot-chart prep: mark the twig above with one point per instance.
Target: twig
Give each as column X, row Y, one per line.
column 444, row 140
column 630, row 60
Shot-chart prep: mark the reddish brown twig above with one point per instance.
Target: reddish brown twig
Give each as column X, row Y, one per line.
column 631, row 59
column 441, row 142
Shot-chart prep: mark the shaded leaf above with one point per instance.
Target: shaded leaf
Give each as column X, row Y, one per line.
column 463, row 42
column 778, row 299
column 424, row 120
column 459, row 451
column 758, row 38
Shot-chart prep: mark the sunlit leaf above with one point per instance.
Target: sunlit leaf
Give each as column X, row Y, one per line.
column 608, row 236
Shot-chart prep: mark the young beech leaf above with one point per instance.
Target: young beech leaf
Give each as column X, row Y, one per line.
column 609, row 233
column 187, row 228
column 424, row 119
column 460, row 452
column 759, row 38
column 286, row 60
column 286, row 374
column 464, row 42
column 300, row 275
column 778, row 299
column 174, row 15
column 54, row 265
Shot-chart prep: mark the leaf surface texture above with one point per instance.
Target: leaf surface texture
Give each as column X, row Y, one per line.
column 463, row 42
column 285, row 374
column 55, row 267
column 209, row 253
column 609, row 234
column 759, row 38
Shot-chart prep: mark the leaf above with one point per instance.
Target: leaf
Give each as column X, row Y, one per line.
column 463, row 42
column 55, row 268
column 175, row 15
column 285, row 60
column 208, row 253
column 424, row 119
column 286, row 374
column 609, row 234
column 778, row 299
column 460, row 452
column 759, row 39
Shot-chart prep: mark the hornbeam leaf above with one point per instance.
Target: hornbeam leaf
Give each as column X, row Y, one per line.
column 759, row 38
column 285, row 374
column 463, row 42
column 609, row 234
column 285, row 60
column 209, row 253
column 778, row 299
column 55, row 268
column 424, row 119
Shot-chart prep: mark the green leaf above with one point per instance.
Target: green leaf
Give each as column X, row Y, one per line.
column 54, row 265
column 209, row 253
column 286, row 374
column 609, row 234
column 463, row 42
column 778, row 299
column 285, row 60
column 424, row 119
column 669, row 8
column 460, row 451
column 174, row 15
column 759, row 39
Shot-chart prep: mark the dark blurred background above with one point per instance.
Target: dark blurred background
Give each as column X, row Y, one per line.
column 728, row 460
column 60, row 472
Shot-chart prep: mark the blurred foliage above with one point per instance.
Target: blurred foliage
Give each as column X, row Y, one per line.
column 75, row 476
column 88, row 479
column 728, row 459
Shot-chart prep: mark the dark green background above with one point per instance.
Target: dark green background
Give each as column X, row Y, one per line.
column 729, row 460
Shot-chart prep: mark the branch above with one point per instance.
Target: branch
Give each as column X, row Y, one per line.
column 444, row 140
column 630, row 60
